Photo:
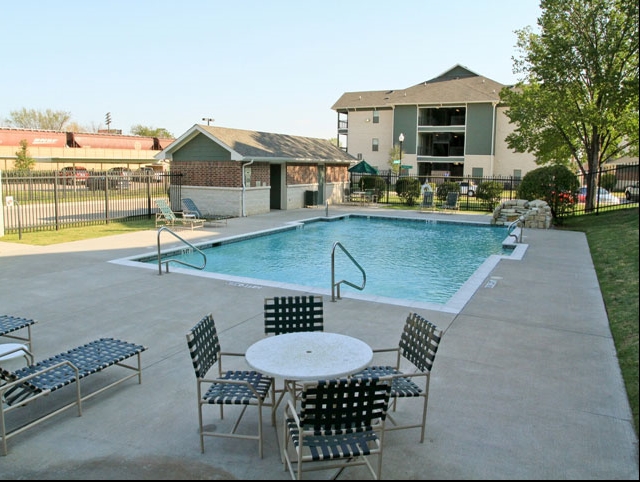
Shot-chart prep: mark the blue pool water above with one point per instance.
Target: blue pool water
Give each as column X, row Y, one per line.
column 403, row 259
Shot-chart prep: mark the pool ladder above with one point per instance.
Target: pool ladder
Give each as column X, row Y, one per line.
column 190, row 248
column 518, row 223
column 335, row 285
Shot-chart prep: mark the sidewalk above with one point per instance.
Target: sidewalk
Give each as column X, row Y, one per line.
column 526, row 383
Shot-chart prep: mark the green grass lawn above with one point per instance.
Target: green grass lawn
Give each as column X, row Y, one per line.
column 613, row 241
column 45, row 238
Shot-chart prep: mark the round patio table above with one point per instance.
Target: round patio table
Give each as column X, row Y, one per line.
column 316, row 355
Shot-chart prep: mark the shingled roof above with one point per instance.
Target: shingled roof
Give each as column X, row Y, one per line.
column 458, row 85
column 245, row 144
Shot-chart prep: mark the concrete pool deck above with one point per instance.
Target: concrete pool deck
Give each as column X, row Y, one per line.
column 526, row 383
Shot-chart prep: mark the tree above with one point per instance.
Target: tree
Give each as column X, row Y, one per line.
column 578, row 101
column 395, row 155
column 24, row 162
column 35, row 119
column 140, row 130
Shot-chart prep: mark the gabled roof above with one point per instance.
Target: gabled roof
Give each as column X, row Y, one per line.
column 246, row 145
column 457, row 85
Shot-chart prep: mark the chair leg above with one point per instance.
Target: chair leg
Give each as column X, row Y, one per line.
column 201, row 427
column 260, row 427
column 424, row 411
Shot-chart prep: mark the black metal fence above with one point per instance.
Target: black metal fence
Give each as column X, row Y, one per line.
column 47, row 200
column 612, row 182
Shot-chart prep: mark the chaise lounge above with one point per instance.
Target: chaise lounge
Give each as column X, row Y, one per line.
column 167, row 217
column 24, row 385
column 190, row 208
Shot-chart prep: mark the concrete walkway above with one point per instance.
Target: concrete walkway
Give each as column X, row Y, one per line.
column 526, row 383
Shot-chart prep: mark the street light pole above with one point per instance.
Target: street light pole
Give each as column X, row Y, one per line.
column 401, row 139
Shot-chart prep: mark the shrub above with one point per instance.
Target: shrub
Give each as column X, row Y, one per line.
column 490, row 193
column 408, row 188
column 554, row 184
column 377, row 183
column 608, row 181
column 445, row 188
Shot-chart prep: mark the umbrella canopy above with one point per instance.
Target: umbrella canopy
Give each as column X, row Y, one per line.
column 363, row 167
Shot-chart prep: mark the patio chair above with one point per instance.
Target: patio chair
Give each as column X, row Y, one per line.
column 291, row 314
column 340, row 424
column 34, row 381
column 416, row 351
column 167, row 217
column 427, row 200
column 190, row 208
column 452, row 201
column 230, row 387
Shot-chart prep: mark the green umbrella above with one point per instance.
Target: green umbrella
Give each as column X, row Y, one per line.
column 363, row 167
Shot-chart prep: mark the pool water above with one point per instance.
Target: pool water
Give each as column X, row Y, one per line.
column 403, row 259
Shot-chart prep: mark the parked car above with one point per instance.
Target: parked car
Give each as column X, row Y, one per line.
column 602, row 196
column 97, row 183
column 146, row 173
column 74, row 175
column 468, row 188
column 124, row 176
column 631, row 192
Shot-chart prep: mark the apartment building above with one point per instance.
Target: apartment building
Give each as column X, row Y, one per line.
column 451, row 125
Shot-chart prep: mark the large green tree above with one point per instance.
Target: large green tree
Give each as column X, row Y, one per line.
column 140, row 130
column 577, row 99
column 54, row 120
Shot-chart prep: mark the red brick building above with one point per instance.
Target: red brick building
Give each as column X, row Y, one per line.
column 240, row 173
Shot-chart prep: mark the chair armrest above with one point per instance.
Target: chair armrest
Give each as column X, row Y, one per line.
column 16, row 383
column 385, row 350
column 224, row 381
column 230, row 353
column 291, row 411
column 22, row 349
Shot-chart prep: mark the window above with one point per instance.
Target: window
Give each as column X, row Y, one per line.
column 517, row 173
column 476, row 172
column 376, row 117
column 374, row 144
column 359, row 156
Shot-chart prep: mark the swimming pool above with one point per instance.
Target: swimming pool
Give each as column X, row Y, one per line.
column 407, row 261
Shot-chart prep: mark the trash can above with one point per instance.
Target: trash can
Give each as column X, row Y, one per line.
column 311, row 198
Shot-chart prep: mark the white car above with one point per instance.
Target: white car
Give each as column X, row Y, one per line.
column 631, row 192
column 468, row 188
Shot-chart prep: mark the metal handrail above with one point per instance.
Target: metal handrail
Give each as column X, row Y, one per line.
column 333, row 272
column 167, row 261
column 518, row 223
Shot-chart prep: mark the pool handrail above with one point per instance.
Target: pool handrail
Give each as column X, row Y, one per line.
column 333, row 272
column 167, row 261
column 518, row 223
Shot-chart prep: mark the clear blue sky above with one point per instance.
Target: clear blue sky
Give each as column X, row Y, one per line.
column 266, row 65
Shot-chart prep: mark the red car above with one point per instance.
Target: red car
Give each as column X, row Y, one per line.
column 74, row 175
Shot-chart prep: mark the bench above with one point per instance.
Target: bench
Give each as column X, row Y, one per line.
column 35, row 381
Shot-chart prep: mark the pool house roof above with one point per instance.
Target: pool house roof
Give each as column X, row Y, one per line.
column 245, row 145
